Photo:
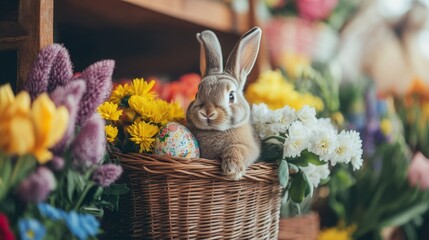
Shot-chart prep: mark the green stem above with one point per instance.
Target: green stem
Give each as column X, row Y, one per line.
column 83, row 195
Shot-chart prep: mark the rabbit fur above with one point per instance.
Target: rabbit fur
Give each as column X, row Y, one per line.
column 219, row 117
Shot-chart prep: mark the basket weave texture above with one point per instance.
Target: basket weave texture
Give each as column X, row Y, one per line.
column 180, row 198
column 305, row 227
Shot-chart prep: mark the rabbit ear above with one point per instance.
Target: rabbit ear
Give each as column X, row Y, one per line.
column 242, row 58
column 211, row 53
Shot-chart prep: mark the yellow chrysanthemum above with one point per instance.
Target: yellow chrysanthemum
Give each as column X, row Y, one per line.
column 142, row 88
column 109, row 111
column 336, row 233
column 143, row 134
column 111, row 132
column 175, row 112
column 119, row 93
column 34, row 129
column 155, row 111
column 272, row 89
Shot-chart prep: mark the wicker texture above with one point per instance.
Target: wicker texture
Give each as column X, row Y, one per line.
column 305, row 227
column 179, row 198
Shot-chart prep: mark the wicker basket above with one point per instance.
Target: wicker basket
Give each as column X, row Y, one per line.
column 305, row 227
column 179, row 198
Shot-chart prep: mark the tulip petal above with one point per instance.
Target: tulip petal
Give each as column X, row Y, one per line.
column 21, row 139
column 6, row 97
column 43, row 115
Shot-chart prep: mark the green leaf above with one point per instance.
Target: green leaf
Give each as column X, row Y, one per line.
column 5, row 172
column 298, row 187
column 116, row 189
column 405, row 215
column 271, row 152
column 71, row 186
column 343, row 179
column 24, row 165
column 309, row 189
column 312, row 158
column 283, row 173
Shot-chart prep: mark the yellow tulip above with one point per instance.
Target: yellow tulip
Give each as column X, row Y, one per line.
column 6, row 98
column 50, row 125
column 21, row 137
column 21, row 104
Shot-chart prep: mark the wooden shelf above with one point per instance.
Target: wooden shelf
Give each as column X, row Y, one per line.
column 211, row 14
column 208, row 13
column 12, row 35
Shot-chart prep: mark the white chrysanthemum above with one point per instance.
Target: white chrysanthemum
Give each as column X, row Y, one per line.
column 260, row 112
column 323, row 142
column 297, row 140
column 356, row 149
column 325, row 123
column 345, row 149
column 357, row 160
column 307, row 115
column 277, row 128
column 275, row 116
column 316, row 173
column 288, row 115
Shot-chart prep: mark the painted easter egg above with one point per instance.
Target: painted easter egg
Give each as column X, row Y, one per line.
column 174, row 139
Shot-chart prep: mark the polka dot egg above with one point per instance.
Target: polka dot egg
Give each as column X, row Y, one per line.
column 174, row 139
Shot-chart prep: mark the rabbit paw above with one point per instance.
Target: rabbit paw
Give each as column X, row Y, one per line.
column 233, row 167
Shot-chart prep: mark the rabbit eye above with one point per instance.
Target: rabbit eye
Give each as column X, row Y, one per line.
column 231, row 97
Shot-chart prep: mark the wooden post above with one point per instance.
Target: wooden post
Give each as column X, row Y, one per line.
column 36, row 17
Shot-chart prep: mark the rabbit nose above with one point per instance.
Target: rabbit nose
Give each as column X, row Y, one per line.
column 207, row 115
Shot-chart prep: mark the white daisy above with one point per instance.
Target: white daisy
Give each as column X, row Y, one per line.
column 316, row 173
column 288, row 115
column 307, row 115
column 323, row 142
column 345, row 149
column 297, row 140
column 357, row 160
column 260, row 113
column 325, row 123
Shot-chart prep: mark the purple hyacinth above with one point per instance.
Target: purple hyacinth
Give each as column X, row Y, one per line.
column 36, row 187
column 70, row 97
column 51, row 69
column 98, row 79
column 106, row 174
column 88, row 148
column 62, row 70
column 57, row 163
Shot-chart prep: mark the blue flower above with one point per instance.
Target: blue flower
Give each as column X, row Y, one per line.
column 48, row 211
column 31, row 229
column 82, row 225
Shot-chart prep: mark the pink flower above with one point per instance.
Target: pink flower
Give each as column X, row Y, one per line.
column 36, row 187
column 316, row 9
column 418, row 172
column 68, row 96
column 51, row 69
column 5, row 231
column 98, row 78
column 107, row 174
column 88, row 148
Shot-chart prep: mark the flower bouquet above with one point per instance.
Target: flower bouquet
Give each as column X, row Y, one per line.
column 134, row 115
column 54, row 178
column 382, row 187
